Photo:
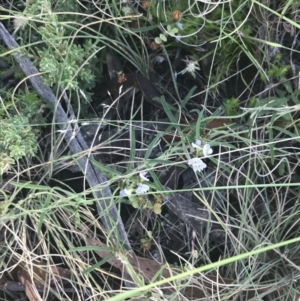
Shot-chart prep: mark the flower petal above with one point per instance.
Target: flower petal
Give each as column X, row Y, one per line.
column 143, row 176
column 197, row 164
column 142, row 188
column 125, row 192
column 207, row 150
column 179, row 25
column 197, row 144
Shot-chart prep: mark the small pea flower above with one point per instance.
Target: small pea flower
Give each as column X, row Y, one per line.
column 197, row 164
column 207, row 150
column 197, row 144
column 200, row 150
column 142, row 188
column 143, row 176
column 126, row 192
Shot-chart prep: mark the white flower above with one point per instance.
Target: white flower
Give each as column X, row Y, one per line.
column 197, row 164
column 207, row 150
column 143, row 176
column 142, row 188
column 127, row 10
column 191, row 66
column 197, row 144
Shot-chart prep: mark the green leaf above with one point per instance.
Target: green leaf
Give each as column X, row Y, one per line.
column 187, row 97
column 42, row 216
column 288, row 87
column 281, row 168
column 158, row 40
column 109, row 172
column 97, row 265
column 271, row 138
column 153, row 144
column 174, row 30
column 163, row 37
column 132, row 150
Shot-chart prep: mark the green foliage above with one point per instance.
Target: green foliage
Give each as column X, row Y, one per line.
column 26, row 103
column 163, row 37
column 187, row 26
column 256, row 153
column 252, row 102
column 19, row 108
column 277, row 69
column 63, row 59
column 17, row 139
column 278, row 72
column 200, row 24
column 231, row 107
column 66, row 63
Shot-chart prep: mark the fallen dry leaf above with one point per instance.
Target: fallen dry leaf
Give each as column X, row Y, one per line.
column 148, row 268
column 29, row 287
column 41, row 273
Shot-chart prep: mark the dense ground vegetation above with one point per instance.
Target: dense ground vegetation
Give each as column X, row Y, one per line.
column 149, row 150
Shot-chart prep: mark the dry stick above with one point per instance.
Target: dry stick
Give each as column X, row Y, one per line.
column 77, row 144
column 13, row 286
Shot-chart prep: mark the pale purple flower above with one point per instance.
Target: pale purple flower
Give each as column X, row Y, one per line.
column 159, row 59
column 142, row 188
column 179, row 25
column 125, row 192
column 178, row 37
